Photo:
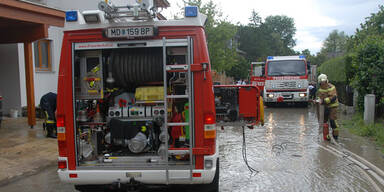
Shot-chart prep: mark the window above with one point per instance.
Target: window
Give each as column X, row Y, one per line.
column 286, row 67
column 43, row 59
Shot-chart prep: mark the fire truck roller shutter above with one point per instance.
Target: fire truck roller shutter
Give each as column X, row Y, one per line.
column 135, row 66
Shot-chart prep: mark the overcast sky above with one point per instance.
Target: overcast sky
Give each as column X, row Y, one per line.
column 314, row 19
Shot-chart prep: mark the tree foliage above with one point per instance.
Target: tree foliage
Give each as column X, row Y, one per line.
column 220, row 34
column 334, row 68
column 227, row 42
column 368, row 62
column 282, row 28
column 274, row 36
column 365, row 60
column 255, row 20
column 335, row 44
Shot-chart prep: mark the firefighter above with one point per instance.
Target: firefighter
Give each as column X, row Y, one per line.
column 327, row 96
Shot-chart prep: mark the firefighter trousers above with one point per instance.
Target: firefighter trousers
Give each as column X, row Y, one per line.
column 330, row 113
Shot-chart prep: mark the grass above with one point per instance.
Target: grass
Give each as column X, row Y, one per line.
column 374, row 131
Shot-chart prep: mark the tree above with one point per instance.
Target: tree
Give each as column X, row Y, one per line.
column 309, row 56
column 219, row 33
column 257, row 39
column 335, row 44
column 283, row 27
column 365, row 59
column 255, row 20
column 261, row 39
column 241, row 69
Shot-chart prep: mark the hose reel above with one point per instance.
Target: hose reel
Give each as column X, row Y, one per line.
column 131, row 67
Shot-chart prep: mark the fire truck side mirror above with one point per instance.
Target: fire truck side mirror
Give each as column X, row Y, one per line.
column 263, row 71
column 309, row 67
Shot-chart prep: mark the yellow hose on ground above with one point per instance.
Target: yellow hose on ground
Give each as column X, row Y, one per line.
column 261, row 110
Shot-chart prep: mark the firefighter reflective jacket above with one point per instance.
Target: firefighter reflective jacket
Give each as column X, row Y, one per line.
column 328, row 96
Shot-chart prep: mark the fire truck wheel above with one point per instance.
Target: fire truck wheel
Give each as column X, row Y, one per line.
column 303, row 104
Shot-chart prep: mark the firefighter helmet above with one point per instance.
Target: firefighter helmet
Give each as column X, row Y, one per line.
column 322, row 78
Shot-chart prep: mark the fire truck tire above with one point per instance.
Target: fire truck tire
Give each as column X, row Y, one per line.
column 303, row 104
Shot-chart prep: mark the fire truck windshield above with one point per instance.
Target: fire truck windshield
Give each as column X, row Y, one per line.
column 286, row 68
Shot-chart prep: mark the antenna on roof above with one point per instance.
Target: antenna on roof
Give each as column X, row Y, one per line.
column 137, row 9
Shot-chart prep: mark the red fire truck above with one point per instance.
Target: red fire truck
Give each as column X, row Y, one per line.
column 257, row 75
column 286, row 80
column 135, row 100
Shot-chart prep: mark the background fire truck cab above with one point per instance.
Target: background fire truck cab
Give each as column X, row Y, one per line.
column 258, row 75
column 286, row 80
column 135, row 100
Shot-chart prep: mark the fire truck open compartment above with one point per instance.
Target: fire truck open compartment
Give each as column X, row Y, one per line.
column 120, row 108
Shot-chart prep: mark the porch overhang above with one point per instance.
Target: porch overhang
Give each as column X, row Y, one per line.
column 25, row 22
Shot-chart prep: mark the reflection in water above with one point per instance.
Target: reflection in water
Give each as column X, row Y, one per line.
column 287, row 154
column 269, row 132
column 302, row 128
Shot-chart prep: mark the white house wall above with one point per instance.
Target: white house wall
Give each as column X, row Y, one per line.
column 9, row 77
column 47, row 81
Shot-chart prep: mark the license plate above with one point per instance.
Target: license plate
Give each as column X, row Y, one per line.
column 130, row 32
column 133, row 174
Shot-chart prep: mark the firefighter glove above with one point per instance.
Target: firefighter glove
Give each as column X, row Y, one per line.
column 327, row 100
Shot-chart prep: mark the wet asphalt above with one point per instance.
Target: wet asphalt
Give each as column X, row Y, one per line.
column 284, row 154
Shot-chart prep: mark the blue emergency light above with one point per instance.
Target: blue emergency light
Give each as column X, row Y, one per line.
column 301, row 56
column 191, row 11
column 71, row 16
column 270, row 57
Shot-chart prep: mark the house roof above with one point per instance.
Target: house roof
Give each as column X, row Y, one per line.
column 18, row 17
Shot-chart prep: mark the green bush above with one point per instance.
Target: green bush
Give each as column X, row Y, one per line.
column 365, row 59
column 368, row 64
column 334, row 69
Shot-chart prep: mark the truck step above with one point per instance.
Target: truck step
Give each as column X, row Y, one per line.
column 177, row 96
column 177, row 124
column 178, row 152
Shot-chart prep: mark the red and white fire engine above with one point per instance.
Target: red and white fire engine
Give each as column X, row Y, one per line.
column 286, row 79
column 135, row 99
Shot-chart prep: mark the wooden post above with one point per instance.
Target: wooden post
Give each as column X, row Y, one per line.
column 29, row 84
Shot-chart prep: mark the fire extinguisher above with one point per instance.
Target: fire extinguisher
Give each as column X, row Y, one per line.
column 326, row 131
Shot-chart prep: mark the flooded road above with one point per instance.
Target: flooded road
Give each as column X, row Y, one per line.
column 286, row 152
